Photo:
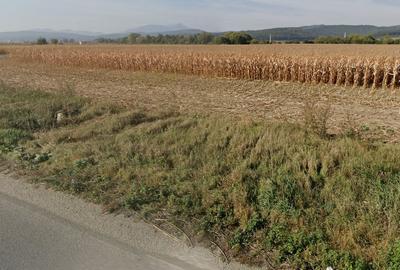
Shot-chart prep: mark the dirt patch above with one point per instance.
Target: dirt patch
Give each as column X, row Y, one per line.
column 375, row 112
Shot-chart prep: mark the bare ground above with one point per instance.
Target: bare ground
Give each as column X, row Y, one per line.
column 377, row 113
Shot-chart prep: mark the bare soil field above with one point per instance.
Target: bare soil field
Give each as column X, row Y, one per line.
column 375, row 113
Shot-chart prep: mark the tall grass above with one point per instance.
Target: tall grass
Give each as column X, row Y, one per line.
column 262, row 191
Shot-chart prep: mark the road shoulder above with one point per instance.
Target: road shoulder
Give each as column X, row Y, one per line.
column 127, row 233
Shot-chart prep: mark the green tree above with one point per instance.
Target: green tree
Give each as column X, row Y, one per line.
column 41, row 41
column 204, row 38
column 54, row 41
column 221, row 40
column 132, row 38
column 329, row 40
column 388, row 40
column 238, row 38
column 359, row 39
column 234, row 38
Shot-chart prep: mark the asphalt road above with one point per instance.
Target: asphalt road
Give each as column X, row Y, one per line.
column 42, row 229
column 32, row 239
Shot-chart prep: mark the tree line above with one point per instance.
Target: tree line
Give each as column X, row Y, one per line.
column 54, row 41
column 200, row 38
column 356, row 39
column 226, row 38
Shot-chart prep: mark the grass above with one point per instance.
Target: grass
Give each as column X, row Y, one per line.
column 264, row 192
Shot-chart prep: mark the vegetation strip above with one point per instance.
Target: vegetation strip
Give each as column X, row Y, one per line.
column 262, row 192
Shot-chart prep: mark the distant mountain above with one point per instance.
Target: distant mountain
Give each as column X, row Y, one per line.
column 33, row 35
column 175, row 29
column 181, row 32
column 311, row 32
column 85, row 33
column 302, row 33
column 151, row 29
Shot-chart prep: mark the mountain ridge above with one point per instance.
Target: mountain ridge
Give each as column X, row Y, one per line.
column 312, row 32
column 301, row 33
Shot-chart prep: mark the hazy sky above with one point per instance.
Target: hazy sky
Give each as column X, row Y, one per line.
column 211, row 15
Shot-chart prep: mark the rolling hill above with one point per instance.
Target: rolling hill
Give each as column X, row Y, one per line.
column 311, row 32
column 302, row 33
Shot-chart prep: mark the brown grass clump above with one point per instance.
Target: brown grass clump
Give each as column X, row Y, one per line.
column 316, row 118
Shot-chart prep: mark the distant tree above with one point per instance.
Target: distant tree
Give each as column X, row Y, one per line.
column 388, row 40
column 360, row 39
column 353, row 39
column 66, row 40
column 54, row 41
column 204, row 38
column 235, row 38
column 329, row 40
column 238, row 38
column 132, row 38
column 200, row 38
column 221, row 40
column 108, row 40
column 41, row 41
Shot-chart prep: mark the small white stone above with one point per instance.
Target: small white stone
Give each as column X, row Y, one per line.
column 329, row 268
column 60, row 117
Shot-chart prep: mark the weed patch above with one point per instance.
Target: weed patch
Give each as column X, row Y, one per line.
column 260, row 190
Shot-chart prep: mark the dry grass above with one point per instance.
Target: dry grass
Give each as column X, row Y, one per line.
column 348, row 65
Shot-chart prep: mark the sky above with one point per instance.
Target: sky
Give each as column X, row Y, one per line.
column 109, row 16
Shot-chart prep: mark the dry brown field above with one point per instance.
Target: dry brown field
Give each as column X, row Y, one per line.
column 375, row 112
column 366, row 66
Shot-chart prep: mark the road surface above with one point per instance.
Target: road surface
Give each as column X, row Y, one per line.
column 33, row 239
column 45, row 230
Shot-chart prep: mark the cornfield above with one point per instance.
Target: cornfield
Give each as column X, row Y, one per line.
column 341, row 65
